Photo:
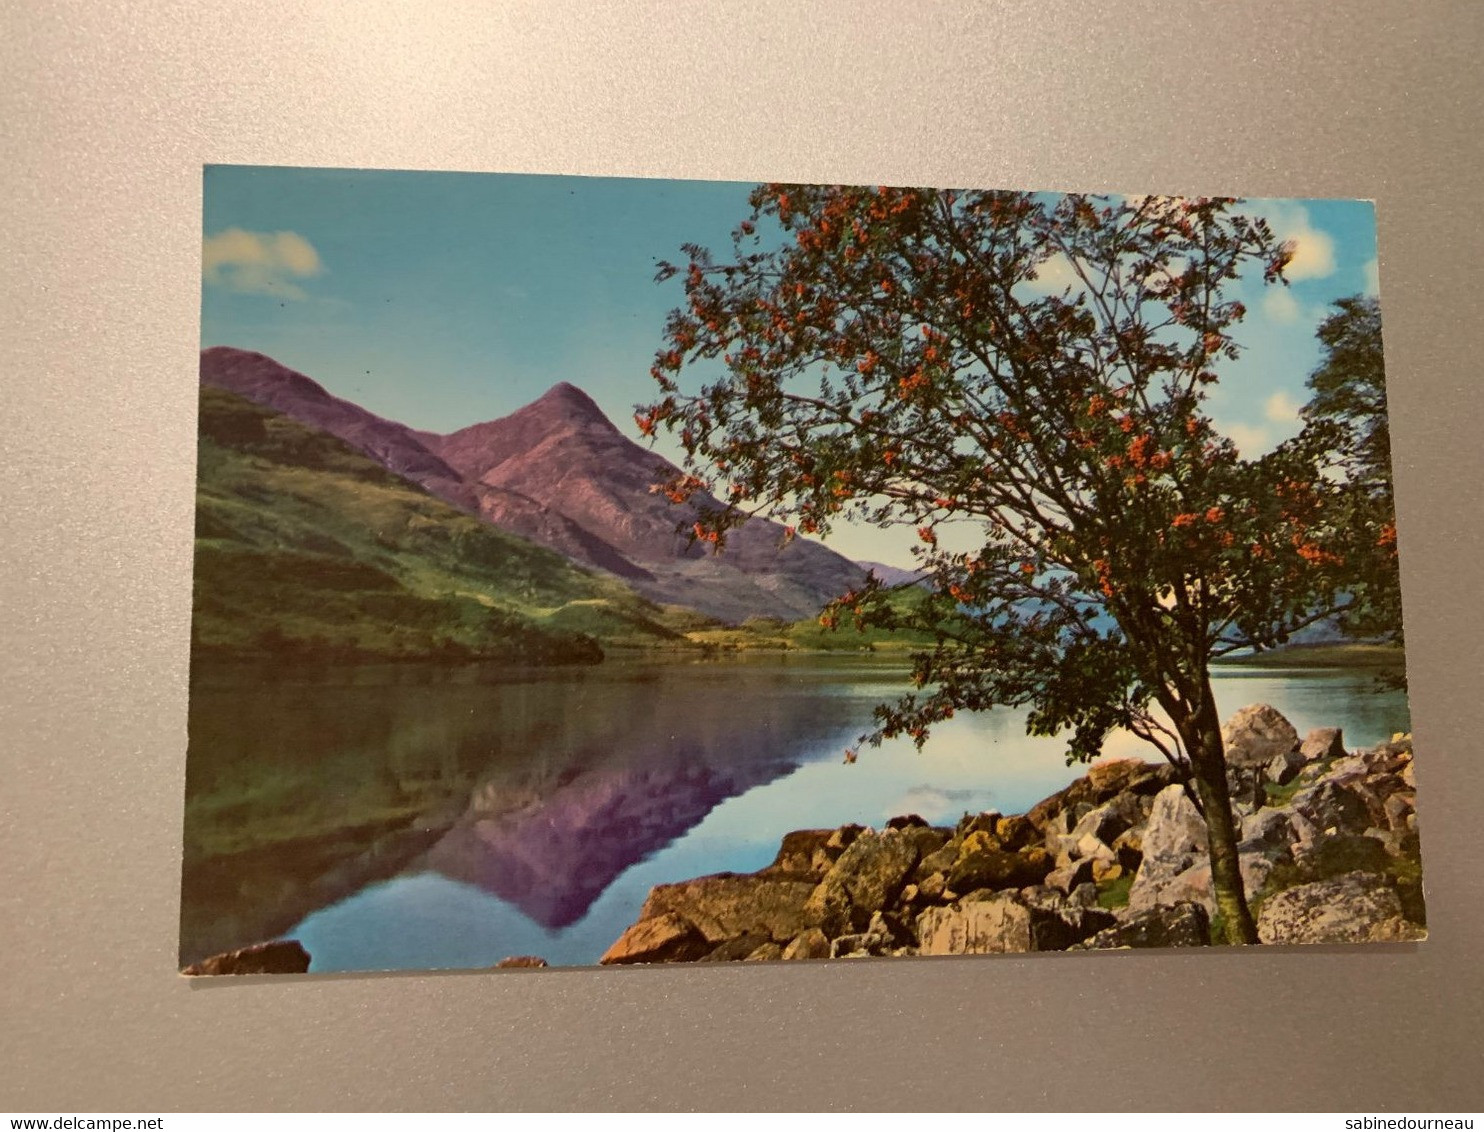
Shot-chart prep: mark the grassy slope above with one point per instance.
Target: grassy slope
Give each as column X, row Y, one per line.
column 809, row 635
column 305, row 546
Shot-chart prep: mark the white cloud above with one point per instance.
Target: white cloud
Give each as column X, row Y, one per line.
column 1251, row 440
column 1372, row 271
column 1281, row 409
column 1054, row 276
column 1280, row 305
column 1313, row 248
column 259, row 263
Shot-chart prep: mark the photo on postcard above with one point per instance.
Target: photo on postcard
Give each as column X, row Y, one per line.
column 635, row 571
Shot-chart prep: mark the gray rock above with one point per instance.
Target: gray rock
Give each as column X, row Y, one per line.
column 1255, row 734
column 1090, row 848
column 1335, row 854
column 1081, row 917
column 1175, row 829
column 1268, row 831
column 867, row 877
column 1070, row 876
column 1000, row 924
column 1112, row 818
column 1332, row 807
column 1247, row 788
column 1354, row 908
column 878, row 939
column 1398, row 808
column 1323, row 743
column 1284, row 768
column 1085, row 895
column 1183, row 925
column 1194, row 884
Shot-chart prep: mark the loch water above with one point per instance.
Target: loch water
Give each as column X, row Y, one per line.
column 408, row 817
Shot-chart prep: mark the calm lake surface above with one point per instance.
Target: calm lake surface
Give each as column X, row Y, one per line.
column 405, row 817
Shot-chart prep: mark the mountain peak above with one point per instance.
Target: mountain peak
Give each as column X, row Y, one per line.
column 570, row 399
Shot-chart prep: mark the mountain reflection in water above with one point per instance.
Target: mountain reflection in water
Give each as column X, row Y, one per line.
column 416, row 817
column 537, row 786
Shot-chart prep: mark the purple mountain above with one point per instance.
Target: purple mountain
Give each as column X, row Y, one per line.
column 563, row 452
column 560, row 474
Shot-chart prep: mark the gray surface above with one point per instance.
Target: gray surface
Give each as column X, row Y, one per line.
column 108, row 112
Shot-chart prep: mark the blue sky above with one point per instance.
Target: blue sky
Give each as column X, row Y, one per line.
column 444, row 299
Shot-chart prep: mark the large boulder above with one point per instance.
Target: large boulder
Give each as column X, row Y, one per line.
column 1120, row 813
column 1175, row 829
column 1193, row 885
column 1131, row 776
column 992, row 868
column 806, row 851
column 1269, row 832
column 1323, row 743
column 661, row 939
column 1057, row 814
column 1176, row 868
column 1254, row 735
column 867, row 877
column 727, row 905
column 280, row 957
column 1330, row 807
column 1069, row 876
column 1015, row 832
column 1357, row 907
column 808, row 944
column 1002, row 923
column 1082, row 916
column 1182, row 925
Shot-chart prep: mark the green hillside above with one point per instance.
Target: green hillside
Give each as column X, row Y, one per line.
column 808, row 635
column 305, row 547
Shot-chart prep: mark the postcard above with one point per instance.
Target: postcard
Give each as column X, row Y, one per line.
column 610, row 571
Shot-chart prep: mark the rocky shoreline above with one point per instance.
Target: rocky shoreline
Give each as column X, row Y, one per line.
column 1329, row 854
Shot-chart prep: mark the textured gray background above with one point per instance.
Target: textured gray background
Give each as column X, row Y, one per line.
column 108, row 112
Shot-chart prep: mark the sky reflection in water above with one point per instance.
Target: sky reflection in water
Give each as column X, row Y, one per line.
column 584, row 856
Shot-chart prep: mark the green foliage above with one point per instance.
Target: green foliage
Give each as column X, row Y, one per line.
column 1114, row 893
column 1349, row 395
column 306, row 548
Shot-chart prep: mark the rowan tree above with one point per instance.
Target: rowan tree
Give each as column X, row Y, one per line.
column 1030, row 373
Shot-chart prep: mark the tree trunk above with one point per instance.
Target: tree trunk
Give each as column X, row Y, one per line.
column 1208, row 767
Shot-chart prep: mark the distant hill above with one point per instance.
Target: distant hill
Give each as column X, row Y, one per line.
column 305, row 546
column 560, row 474
column 891, row 575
